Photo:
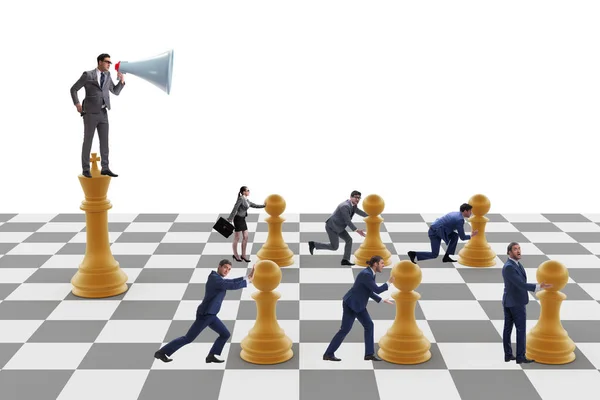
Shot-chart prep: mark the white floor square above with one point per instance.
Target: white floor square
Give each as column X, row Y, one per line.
column 593, row 247
column 591, row 351
column 15, row 275
column 487, row 291
column 224, row 249
column 197, row 218
column 149, row 227
column 82, row 310
column 186, row 237
column 549, row 237
column 118, row 217
column 18, row 331
column 36, row 248
column 442, row 275
column 475, row 356
column 124, row 384
column 156, row 291
column 132, row 273
column 32, row 218
column 406, row 227
column 321, row 310
column 525, row 217
column 128, row 331
column 250, row 384
column 593, row 289
column 578, row 226
column 416, row 384
column 64, row 261
column 48, row 356
column 352, row 355
column 133, row 248
column 565, row 384
column 41, row 291
column 452, row 310
column 326, row 275
column 577, row 260
column 585, row 310
column 14, row 237
column 173, row 261
column 62, row 227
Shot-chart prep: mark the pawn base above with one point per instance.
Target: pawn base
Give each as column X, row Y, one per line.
column 266, row 351
column 477, row 257
column 91, row 282
column 552, row 350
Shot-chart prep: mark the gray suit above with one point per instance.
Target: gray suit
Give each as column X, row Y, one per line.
column 336, row 228
column 94, row 111
column 241, row 207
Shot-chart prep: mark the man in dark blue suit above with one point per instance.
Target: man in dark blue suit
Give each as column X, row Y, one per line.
column 447, row 228
column 355, row 307
column 514, row 301
column 206, row 314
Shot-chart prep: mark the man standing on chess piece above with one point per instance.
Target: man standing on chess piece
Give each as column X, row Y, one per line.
column 206, row 314
column 355, row 307
column 336, row 227
column 97, row 84
column 514, row 301
column 445, row 228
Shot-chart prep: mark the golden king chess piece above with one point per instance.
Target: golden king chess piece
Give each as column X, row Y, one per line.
column 477, row 252
column 99, row 274
column 404, row 342
column 373, row 245
column 275, row 248
column 266, row 342
column 548, row 342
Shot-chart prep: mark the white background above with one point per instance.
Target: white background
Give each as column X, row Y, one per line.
column 425, row 103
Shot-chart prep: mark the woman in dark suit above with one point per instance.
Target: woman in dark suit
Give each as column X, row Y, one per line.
column 238, row 217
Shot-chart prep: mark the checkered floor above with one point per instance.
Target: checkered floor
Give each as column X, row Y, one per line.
column 56, row 346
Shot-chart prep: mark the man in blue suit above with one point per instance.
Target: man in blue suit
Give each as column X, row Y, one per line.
column 336, row 227
column 206, row 314
column 445, row 228
column 355, row 307
column 514, row 301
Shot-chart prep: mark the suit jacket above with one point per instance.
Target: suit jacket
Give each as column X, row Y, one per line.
column 364, row 288
column 515, row 285
column 449, row 223
column 241, row 207
column 342, row 217
column 95, row 97
column 216, row 288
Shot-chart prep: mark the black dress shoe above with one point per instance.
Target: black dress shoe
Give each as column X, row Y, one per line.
column 162, row 357
column 331, row 358
column 311, row 247
column 447, row 259
column 109, row 173
column 372, row 357
column 509, row 358
column 212, row 359
column 412, row 255
column 87, row 174
column 346, row 262
column 524, row 361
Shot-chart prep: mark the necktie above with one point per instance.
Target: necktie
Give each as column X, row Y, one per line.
column 101, row 80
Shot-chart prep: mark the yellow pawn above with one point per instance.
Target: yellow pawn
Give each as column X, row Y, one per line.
column 266, row 342
column 477, row 252
column 373, row 245
column 548, row 342
column 99, row 274
column 404, row 342
column 275, row 248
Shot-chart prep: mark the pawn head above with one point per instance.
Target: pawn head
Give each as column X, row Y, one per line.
column 275, row 205
column 480, row 203
column 407, row 276
column 373, row 204
column 553, row 272
column 267, row 275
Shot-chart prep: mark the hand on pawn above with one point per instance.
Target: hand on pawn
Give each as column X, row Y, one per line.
column 475, row 232
column 544, row 285
column 389, row 301
column 361, row 232
column 391, row 280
